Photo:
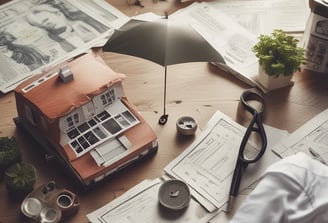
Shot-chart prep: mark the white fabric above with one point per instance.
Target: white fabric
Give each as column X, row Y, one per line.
column 293, row 190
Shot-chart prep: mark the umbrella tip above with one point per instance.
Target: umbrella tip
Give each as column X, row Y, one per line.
column 166, row 15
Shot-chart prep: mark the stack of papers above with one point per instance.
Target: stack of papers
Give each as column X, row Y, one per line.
column 233, row 27
column 229, row 38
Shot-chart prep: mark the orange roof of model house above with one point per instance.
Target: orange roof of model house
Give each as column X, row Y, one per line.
column 56, row 98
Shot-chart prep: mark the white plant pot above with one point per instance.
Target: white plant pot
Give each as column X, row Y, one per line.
column 272, row 82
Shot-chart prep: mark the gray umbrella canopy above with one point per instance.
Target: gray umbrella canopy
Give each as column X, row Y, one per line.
column 164, row 42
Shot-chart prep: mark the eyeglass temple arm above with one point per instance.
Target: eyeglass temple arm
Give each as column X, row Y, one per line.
column 260, row 129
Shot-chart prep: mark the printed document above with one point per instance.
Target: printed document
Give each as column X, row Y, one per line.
column 140, row 205
column 207, row 165
column 29, row 45
column 263, row 16
column 311, row 138
column 234, row 37
column 229, row 38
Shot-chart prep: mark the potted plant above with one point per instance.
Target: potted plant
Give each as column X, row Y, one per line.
column 20, row 179
column 9, row 153
column 279, row 58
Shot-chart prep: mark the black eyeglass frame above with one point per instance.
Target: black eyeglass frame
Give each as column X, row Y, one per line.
column 256, row 124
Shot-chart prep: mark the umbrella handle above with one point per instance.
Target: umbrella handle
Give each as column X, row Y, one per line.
column 163, row 119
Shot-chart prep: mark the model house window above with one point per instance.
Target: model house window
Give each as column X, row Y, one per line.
column 76, row 118
column 108, row 97
column 88, row 110
column 72, row 120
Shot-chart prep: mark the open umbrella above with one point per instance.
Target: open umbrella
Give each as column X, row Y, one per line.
column 164, row 42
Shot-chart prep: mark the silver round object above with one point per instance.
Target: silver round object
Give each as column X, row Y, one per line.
column 50, row 215
column 186, row 125
column 31, row 207
column 174, row 195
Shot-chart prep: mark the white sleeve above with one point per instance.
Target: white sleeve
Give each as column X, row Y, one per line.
column 293, row 190
column 270, row 201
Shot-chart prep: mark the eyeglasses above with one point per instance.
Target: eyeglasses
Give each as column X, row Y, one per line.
column 255, row 126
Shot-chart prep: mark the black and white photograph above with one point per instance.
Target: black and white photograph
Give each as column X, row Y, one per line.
column 34, row 34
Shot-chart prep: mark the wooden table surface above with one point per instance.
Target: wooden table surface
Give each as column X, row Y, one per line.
column 195, row 89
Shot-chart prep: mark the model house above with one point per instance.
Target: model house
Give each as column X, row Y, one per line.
column 79, row 113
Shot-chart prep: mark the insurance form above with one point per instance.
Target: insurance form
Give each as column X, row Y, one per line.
column 207, row 165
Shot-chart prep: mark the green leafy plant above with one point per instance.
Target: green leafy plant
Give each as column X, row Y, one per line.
column 279, row 53
column 20, row 178
column 9, row 153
